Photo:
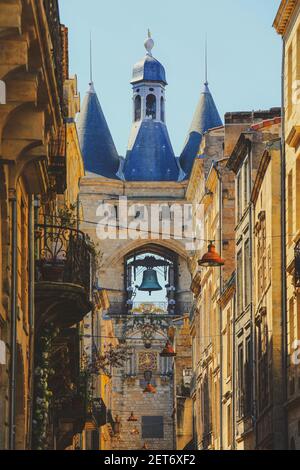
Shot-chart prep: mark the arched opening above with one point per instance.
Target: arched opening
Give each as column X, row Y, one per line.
column 162, row 109
column 152, row 280
column 20, row 436
column 151, row 106
column 137, row 108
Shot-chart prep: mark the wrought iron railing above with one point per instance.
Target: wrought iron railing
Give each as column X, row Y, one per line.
column 62, row 255
column 52, row 14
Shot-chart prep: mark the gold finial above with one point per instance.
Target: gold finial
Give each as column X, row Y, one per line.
column 149, row 34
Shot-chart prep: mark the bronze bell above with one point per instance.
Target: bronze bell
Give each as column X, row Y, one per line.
column 150, row 282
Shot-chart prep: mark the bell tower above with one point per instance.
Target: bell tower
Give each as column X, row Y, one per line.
column 148, row 96
column 150, row 156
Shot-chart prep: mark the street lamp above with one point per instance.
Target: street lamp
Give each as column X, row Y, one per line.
column 168, row 351
column 211, row 259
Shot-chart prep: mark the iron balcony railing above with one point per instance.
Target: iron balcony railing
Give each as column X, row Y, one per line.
column 63, row 255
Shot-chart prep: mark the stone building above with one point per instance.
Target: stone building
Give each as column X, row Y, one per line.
column 45, row 275
column 225, row 379
column 287, row 24
column 216, row 193
column 267, row 295
column 244, row 162
column 149, row 185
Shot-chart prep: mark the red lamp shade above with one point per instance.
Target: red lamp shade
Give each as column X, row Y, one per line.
column 168, row 351
column 211, row 259
column 150, row 389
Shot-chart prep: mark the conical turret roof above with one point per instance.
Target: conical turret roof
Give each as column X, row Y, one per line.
column 98, row 149
column 206, row 117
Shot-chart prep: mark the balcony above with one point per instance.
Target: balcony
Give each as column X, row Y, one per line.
column 63, row 275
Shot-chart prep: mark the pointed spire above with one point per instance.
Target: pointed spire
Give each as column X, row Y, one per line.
column 91, row 60
column 98, row 149
column 206, row 117
column 206, row 63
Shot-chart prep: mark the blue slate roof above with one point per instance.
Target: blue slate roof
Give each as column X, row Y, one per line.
column 98, row 149
column 150, row 70
column 151, row 157
column 206, row 117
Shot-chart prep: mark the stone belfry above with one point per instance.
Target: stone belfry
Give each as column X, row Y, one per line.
column 150, row 156
column 132, row 268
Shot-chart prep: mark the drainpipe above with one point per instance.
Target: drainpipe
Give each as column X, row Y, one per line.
column 283, row 255
column 13, row 339
column 31, row 313
column 234, row 372
column 252, row 316
column 220, row 308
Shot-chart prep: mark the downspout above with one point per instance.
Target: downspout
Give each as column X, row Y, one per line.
column 220, row 307
column 283, row 253
column 234, row 372
column 31, row 313
column 13, row 344
column 253, row 331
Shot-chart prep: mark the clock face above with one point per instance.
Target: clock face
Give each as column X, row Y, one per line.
column 148, row 361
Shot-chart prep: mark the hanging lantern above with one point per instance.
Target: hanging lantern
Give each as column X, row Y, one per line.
column 132, row 418
column 211, row 259
column 150, row 282
column 150, row 389
column 168, row 351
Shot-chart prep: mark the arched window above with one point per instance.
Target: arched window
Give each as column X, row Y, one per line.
column 162, row 109
column 151, row 106
column 137, row 108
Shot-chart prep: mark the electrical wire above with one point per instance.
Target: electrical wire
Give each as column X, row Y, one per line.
column 150, row 232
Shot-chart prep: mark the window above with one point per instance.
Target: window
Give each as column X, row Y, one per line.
column 262, row 273
column 246, row 184
column 239, row 282
column 263, row 363
column 290, row 211
column 229, row 339
column 240, row 391
column 152, row 427
column 151, row 106
column 290, row 80
column 247, row 273
column 137, row 108
column 291, row 323
column 239, row 197
column 248, row 377
column 162, row 109
column 229, row 426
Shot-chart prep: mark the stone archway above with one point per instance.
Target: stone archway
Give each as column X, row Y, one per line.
column 20, row 419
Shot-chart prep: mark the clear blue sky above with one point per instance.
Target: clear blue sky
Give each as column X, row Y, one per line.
column 244, row 55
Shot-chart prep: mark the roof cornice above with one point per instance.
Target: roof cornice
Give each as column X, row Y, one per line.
column 284, row 16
